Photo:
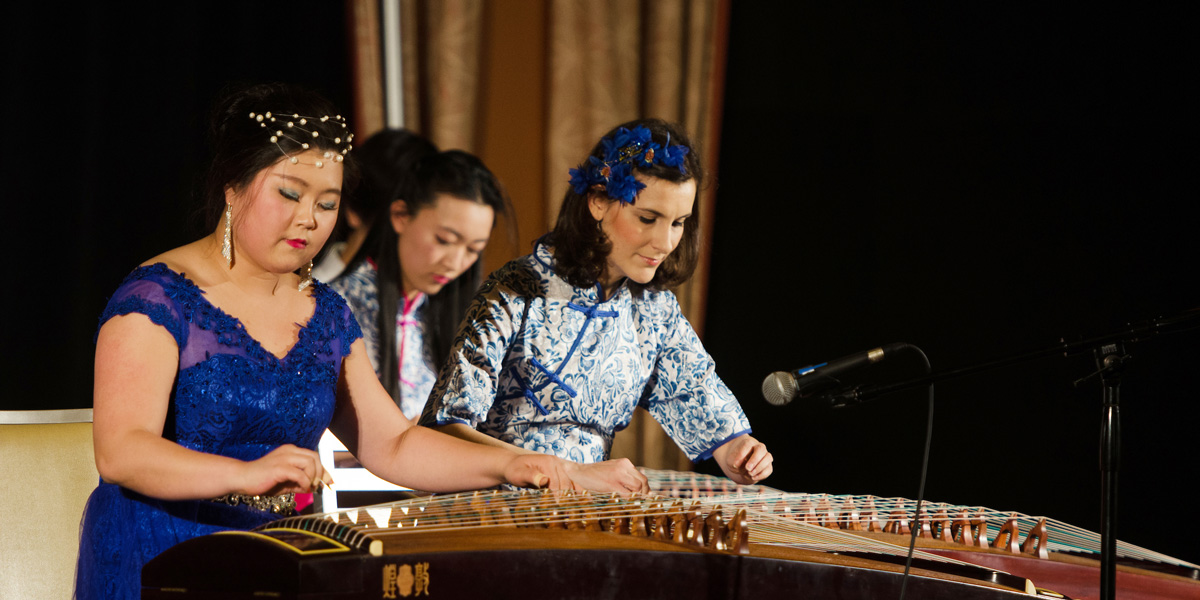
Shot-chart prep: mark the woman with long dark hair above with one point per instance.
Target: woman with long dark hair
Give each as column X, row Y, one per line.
column 410, row 283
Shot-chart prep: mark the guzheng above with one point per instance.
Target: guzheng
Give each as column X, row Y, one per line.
column 692, row 537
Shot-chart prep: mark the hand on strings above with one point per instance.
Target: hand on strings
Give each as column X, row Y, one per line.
column 538, row 471
column 286, row 469
column 615, row 475
column 744, row 459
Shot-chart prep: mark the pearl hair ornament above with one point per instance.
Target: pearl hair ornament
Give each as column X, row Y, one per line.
column 298, row 123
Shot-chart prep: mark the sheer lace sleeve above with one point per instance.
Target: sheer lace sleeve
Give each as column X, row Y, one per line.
column 148, row 291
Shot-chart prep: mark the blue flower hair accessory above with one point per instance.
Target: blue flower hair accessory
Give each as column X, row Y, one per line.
column 624, row 150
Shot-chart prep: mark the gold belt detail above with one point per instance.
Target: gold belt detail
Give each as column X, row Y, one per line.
column 280, row 505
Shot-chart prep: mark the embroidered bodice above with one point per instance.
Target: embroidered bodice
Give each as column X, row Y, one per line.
column 232, row 396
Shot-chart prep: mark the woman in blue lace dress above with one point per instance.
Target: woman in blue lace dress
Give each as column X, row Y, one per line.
column 563, row 344
column 219, row 363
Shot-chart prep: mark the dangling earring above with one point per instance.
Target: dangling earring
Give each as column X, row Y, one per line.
column 227, row 242
column 306, row 279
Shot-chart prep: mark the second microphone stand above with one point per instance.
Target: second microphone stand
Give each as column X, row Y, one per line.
column 1110, row 356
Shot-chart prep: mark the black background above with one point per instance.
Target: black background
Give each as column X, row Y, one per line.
column 978, row 181
column 105, row 110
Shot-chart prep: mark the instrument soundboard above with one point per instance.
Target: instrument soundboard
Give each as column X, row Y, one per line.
column 693, row 536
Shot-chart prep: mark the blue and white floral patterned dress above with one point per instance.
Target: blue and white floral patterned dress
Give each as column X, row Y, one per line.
column 232, row 398
column 547, row 366
column 360, row 288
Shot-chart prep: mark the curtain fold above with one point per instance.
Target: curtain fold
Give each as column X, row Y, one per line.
column 451, row 75
column 362, row 20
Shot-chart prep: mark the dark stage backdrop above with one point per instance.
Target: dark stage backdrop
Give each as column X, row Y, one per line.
column 105, row 107
column 979, row 182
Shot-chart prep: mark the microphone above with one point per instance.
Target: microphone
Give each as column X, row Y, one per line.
column 781, row 387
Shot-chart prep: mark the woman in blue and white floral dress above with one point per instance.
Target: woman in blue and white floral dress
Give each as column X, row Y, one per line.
column 561, row 345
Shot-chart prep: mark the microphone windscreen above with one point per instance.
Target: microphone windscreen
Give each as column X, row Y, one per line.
column 779, row 388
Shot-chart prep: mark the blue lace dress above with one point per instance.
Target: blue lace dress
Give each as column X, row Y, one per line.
column 231, row 397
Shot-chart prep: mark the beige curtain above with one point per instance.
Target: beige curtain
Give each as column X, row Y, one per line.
column 362, row 21
column 441, row 46
column 584, row 67
column 447, row 49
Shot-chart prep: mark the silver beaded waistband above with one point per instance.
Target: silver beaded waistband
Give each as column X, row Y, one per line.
column 280, row 505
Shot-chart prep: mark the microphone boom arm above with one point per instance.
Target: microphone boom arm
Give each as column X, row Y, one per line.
column 1131, row 333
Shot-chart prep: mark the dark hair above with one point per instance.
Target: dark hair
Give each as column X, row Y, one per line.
column 241, row 146
column 581, row 248
column 387, row 159
column 452, row 173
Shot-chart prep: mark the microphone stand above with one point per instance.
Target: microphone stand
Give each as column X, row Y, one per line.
column 1109, row 353
column 1109, row 359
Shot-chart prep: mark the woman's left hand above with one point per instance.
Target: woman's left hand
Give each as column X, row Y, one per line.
column 538, row 471
column 744, row 459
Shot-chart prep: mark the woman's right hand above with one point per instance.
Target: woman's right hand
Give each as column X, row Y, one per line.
column 541, row 471
column 613, row 475
column 286, row 469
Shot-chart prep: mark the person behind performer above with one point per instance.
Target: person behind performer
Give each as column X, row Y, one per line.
column 410, row 283
column 220, row 363
column 561, row 345
column 386, row 158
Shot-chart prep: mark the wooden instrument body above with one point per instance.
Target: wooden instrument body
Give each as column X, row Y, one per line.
column 752, row 543
column 1079, row 577
column 1072, row 575
column 527, row 564
column 1035, row 550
